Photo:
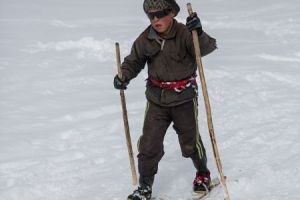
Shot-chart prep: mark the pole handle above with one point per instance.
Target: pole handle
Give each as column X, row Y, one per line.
column 118, row 59
column 189, row 8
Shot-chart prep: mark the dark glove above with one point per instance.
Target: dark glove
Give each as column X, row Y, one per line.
column 119, row 84
column 193, row 23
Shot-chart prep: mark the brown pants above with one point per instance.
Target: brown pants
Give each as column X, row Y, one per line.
column 157, row 121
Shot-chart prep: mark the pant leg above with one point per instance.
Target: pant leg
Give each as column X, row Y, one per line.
column 185, row 118
column 150, row 146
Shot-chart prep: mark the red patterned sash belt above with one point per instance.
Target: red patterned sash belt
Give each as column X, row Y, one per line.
column 177, row 86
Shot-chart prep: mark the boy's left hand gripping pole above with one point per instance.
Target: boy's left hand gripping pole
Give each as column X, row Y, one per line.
column 125, row 119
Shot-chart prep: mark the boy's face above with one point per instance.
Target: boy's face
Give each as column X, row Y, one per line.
column 161, row 20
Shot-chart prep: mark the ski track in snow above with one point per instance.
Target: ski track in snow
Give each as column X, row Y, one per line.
column 61, row 128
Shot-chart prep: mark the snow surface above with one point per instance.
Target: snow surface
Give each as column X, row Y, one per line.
column 61, row 129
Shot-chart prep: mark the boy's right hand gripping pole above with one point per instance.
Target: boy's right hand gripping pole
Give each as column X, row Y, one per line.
column 125, row 120
column 207, row 106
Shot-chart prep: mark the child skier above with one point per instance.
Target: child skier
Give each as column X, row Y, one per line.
column 167, row 48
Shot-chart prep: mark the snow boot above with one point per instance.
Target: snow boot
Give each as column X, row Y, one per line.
column 201, row 182
column 141, row 193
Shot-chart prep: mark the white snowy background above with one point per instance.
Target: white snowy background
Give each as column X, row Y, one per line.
column 61, row 128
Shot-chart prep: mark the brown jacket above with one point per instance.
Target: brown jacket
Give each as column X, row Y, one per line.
column 171, row 58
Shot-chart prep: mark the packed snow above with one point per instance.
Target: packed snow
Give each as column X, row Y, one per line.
column 61, row 128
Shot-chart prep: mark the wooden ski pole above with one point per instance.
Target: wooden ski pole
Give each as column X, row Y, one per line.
column 125, row 119
column 207, row 107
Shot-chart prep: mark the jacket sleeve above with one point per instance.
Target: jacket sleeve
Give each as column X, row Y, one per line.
column 134, row 62
column 207, row 44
